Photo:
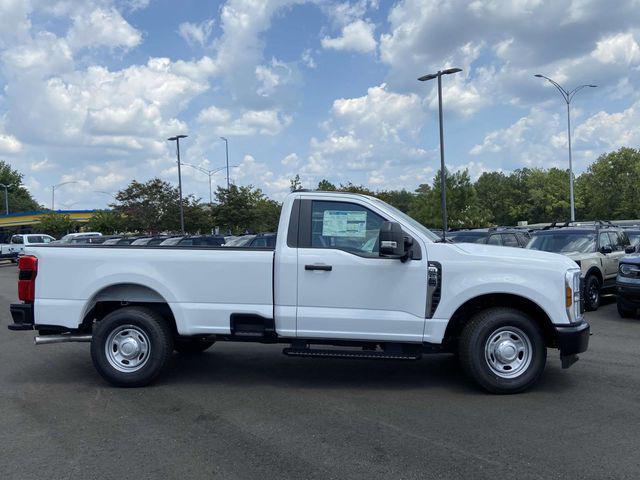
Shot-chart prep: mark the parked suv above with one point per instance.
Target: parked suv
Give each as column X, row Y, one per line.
column 596, row 247
column 628, row 285
column 504, row 236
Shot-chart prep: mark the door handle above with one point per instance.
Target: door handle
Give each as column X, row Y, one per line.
column 323, row 268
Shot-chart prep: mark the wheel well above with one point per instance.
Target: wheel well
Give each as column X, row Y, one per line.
column 117, row 296
column 464, row 313
column 595, row 271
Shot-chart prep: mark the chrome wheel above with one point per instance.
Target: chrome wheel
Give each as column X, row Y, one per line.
column 127, row 348
column 508, row 352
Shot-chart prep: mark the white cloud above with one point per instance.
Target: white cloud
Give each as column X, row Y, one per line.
column 196, row 33
column 608, row 131
column 356, row 36
column 9, row 143
column 102, row 27
column 307, row 59
column 248, row 122
column 620, row 48
column 290, row 160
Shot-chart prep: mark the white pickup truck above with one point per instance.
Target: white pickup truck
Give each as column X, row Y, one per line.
column 350, row 276
column 17, row 243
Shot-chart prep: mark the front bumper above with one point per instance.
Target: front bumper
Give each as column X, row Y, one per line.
column 629, row 293
column 22, row 314
column 571, row 340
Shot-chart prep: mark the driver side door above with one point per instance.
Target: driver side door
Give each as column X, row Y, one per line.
column 345, row 289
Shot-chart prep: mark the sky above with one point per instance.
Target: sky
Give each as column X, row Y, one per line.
column 91, row 89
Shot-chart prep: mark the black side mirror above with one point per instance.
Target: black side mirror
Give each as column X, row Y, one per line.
column 606, row 249
column 630, row 249
column 391, row 239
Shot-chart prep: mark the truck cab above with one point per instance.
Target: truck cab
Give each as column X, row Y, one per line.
column 349, row 277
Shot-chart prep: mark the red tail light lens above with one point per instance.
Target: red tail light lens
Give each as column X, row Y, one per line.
column 28, row 269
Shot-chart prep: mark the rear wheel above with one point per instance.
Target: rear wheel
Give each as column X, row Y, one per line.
column 503, row 350
column 192, row 345
column 592, row 293
column 130, row 346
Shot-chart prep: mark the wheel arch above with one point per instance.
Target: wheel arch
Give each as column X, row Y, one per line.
column 119, row 295
column 465, row 312
column 593, row 270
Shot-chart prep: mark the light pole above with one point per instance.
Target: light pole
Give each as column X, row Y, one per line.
column 568, row 96
column 443, row 183
column 226, row 148
column 210, row 174
column 53, row 193
column 177, row 140
column 6, row 198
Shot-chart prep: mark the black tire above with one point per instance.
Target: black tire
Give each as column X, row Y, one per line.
column 592, row 288
column 146, row 327
column 190, row 346
column 624, row 310
column 483, row 330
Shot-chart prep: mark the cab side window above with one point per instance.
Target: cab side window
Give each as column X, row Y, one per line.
column 17, row 239
column 345, row 226
column 604, row 240
column 494, row 239
column 616, row 241
column 509, row 240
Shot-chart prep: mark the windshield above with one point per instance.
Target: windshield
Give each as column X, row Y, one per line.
column 171, row 241
column 564, row 242
column 634, row 238
column 410, row 221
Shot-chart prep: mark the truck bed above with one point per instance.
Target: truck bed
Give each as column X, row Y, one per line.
column 203, row 286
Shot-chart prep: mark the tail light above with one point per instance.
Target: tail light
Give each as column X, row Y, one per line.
column 28, row 269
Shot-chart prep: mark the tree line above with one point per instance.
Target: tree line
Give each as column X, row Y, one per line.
column 607, row 190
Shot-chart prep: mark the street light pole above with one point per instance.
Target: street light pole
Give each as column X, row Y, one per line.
column 53, row 193
column 6, row 198
column 443, row 182
column 177, row 140
column 226, row 147
column 567, row 97
column 210, row 174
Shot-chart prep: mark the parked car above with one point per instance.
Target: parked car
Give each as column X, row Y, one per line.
column 151, row 240
column 70, row 237
column 122, row 240
column 17, row 243
column 348, row 271
column 634, row 236
column 628, row 285
column 503, row 236
column 242, row 241
column 596, row 247
column 194, row 240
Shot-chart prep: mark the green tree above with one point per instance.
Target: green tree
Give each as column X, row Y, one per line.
column 401, row 199
column 326, row 186
column 463, row 207
column 106, row 221
column 154, row 206
column 20, row 200
column 296, row 184
column 609, row 189
column 55, row 224
column 243, row 209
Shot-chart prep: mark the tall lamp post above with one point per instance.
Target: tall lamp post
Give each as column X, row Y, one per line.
column 177, row 140
column 443, row 183
column 210, row 174
column 6, row 198
column 226, row 148
column 567, row 97
column 53, row 193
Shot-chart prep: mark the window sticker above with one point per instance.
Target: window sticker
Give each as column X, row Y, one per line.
column 340, row 223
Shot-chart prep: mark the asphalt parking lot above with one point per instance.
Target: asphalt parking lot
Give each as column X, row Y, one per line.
column 247, row 411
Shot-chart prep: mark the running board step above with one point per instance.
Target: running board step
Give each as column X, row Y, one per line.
column 311, row 352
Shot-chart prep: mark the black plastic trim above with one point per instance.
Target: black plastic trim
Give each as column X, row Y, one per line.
column 573, row 339
column 294, row 220
column 22, row 313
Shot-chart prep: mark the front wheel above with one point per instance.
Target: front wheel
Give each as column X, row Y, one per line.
column 503, row 350
column 592, row 293
column 130, row 346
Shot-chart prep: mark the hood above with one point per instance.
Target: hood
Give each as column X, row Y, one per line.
column 522, row 255
column 633, row 259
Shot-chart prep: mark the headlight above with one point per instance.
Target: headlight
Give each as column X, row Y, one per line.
column 572, row 295
column 629, row 270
